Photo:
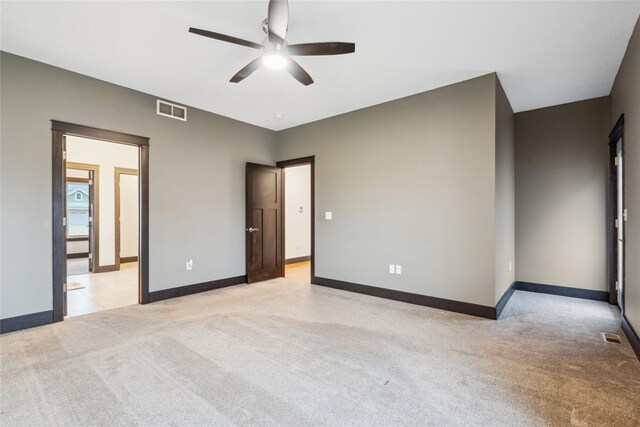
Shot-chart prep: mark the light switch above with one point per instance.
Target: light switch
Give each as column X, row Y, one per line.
column 398, row 269
column 328, row 215
column 392, row 269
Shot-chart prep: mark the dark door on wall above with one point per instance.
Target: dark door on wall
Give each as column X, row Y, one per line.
column 263, row 222
column 617, row 216
column 619, row 223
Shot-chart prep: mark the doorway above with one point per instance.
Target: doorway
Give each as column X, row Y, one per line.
column 267, row 216
column 126, row 216
column 297, row 221
column 82, row 205
column 298, row 255
column 89, row 273
column 617, row 215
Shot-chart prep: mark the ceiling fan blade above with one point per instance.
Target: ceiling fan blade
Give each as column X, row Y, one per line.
column 247, row 70
column 325, row 48
column 298, row 72
column 225, row 38
column 278, row 20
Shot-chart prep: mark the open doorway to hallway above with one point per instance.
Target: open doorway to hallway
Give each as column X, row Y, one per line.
column 298, row 218
column 102, row 196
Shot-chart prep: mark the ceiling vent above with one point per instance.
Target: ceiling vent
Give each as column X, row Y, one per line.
column 174, row 111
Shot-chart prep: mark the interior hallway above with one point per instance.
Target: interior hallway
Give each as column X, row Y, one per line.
column 283, row 352
column 93, row 292
column 300, row 271
column 77, row 266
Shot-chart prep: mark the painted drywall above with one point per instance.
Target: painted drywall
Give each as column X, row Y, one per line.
column 561, row 194
column 625, row 99
column 128, row 215
column 409, row 182
column 197, row 174
column 297, row 206
column 107, row 156
column 505, row 194
column 77, row 173
column 78, row 247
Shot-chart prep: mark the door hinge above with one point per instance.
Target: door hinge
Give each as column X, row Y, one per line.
column 615, row 161
column 624, row 214
column 90, row 256
column 64, row 287
column 64, row 155
column 617, row 286
column 64, row 221
column 90, row 182
column 90, row 219
column 616, row 222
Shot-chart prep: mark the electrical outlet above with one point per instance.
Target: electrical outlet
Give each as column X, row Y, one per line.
column 392, row 269
column 190, row 264
column 328, row 216
column 398, row 269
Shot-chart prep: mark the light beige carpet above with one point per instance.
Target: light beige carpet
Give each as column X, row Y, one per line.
column 286, row 353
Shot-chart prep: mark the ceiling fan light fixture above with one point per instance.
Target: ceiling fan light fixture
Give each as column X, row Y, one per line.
column 274, row 60
column 276, row 52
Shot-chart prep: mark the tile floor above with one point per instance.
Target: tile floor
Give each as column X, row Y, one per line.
column 103, row 291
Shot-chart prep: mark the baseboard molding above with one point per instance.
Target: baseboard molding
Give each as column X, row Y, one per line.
column 196, row 288
column 17, row 323
column 126, row 259
column 425, row 300
column 562, row 291
column 78, row 255
column 632, row 336
column 298, row 259
column 505, row 299
column 106, row 268
column 549, row 289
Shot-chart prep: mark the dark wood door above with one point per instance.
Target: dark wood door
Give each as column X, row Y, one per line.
column 264, row 222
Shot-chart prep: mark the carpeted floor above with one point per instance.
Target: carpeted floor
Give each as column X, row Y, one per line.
column 286, row 353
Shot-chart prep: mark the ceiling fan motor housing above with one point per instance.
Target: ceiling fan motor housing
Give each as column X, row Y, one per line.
column 271, row 47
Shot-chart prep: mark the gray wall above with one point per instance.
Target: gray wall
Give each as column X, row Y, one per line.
column 505, row 194
column 426, row 182
column 409, row 182
column 625, row 99
column 196, row 173
column 561, row 188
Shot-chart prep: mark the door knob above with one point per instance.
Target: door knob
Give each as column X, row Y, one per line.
column 251, row 229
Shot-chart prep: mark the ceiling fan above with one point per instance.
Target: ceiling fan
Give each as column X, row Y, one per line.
column 276, row 53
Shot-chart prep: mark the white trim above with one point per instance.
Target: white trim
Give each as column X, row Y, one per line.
column 158, row 102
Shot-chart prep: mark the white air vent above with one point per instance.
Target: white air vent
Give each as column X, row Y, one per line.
column 174, row 111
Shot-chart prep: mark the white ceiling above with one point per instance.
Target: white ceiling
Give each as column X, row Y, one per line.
column 545, row 53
